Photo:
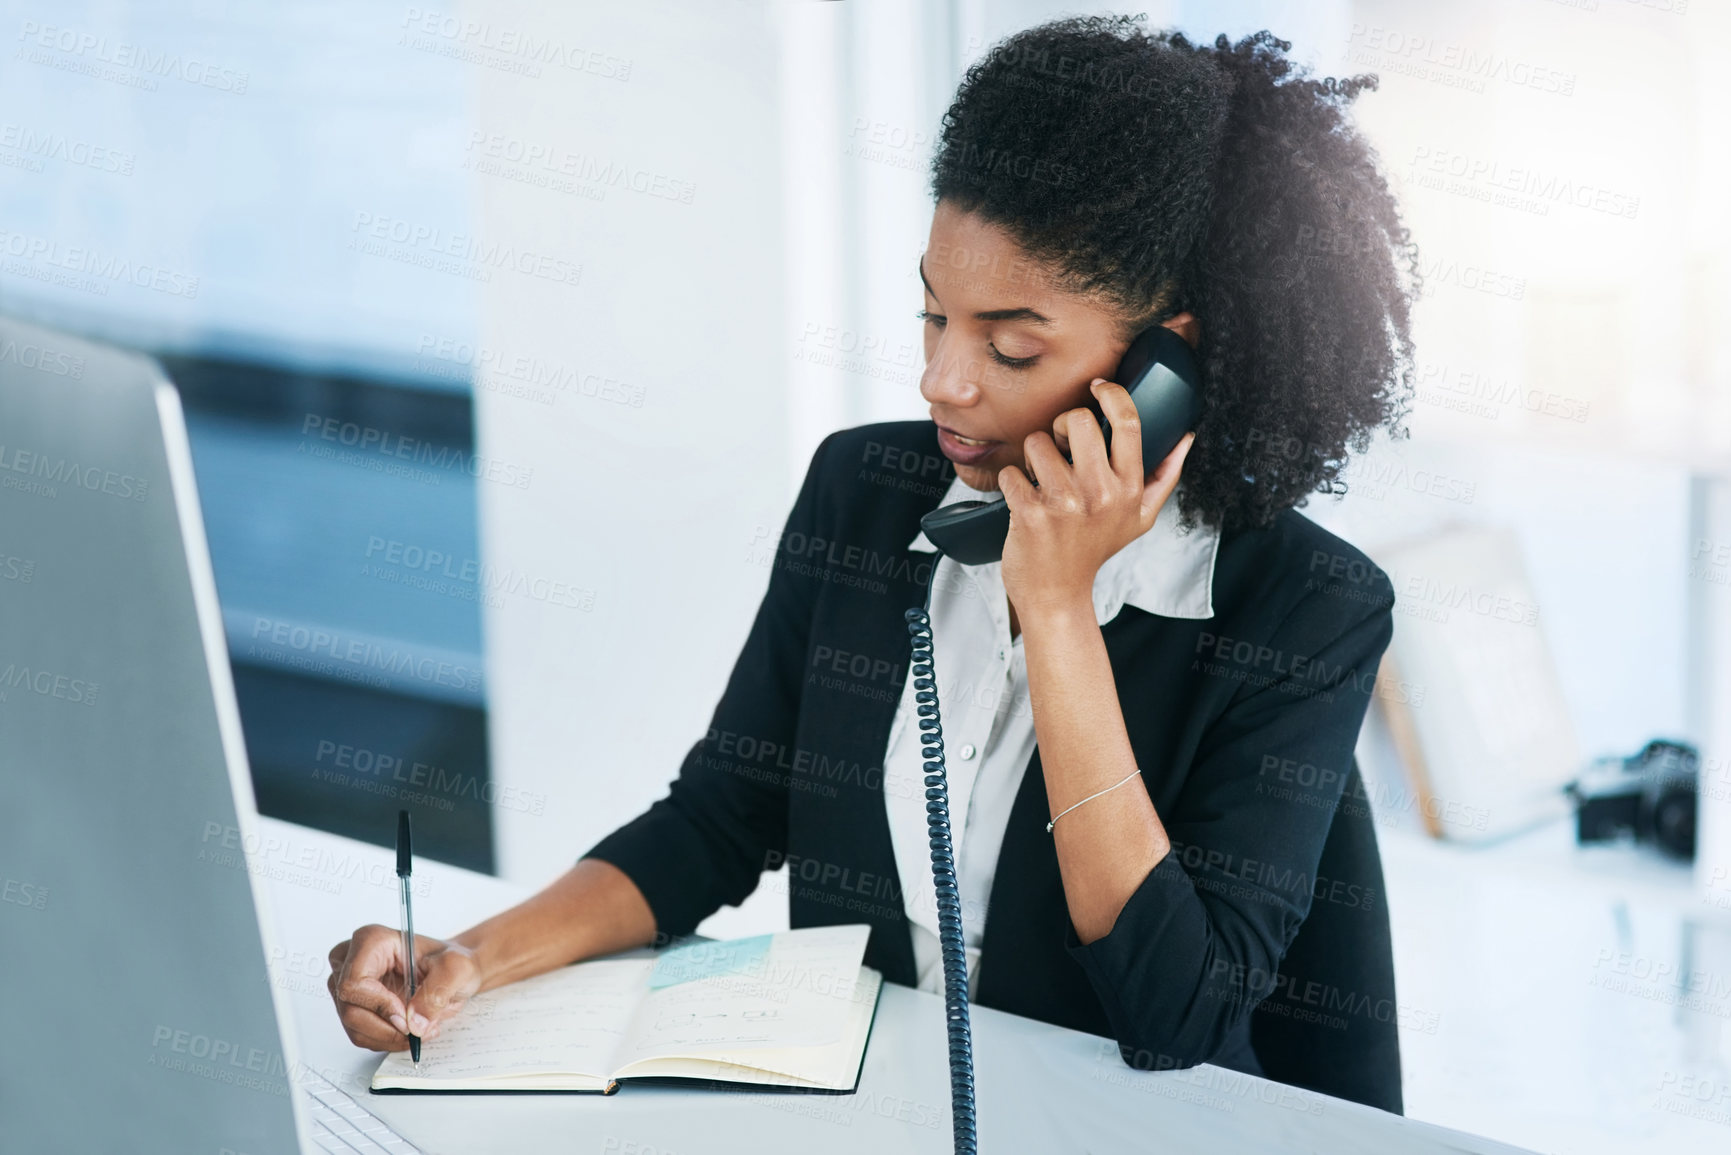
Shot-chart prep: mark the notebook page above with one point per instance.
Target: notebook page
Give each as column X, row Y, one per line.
column 569, row 1021
column 796, row 993
column 834, row 1066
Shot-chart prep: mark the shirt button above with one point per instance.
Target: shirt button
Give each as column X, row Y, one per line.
column 1000, row 655
column 967, row 751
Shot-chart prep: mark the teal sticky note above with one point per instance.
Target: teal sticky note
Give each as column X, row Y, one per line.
column 702, row 960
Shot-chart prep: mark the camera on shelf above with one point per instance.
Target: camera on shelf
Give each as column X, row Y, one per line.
column 1650, row 796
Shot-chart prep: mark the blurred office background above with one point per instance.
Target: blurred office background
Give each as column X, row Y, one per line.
column 506, row 331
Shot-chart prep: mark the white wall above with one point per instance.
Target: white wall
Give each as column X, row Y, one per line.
column 652, row 500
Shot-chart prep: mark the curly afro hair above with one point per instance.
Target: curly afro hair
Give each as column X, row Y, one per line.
column 1221, row 180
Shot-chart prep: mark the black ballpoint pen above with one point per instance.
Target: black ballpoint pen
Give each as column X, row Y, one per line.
column 405, row 863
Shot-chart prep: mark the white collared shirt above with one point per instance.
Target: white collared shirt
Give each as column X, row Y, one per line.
column 988, row 722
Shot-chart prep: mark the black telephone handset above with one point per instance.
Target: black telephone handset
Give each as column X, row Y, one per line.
column 1165, row 382
column 1163, row 379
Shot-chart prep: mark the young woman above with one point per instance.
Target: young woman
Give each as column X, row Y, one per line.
column 1171, row 674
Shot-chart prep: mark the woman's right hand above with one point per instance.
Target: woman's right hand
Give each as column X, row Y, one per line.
column 593, row 908
column 367, row 984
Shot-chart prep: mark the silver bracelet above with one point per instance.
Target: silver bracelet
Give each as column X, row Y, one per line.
column 1090, row 798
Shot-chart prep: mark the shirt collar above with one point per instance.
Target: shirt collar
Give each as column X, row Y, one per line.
column 1166, row 571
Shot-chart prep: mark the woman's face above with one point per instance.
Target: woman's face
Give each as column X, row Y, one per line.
column 1006, row 351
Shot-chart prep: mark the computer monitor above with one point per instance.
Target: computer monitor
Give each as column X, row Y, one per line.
column 136, row 1008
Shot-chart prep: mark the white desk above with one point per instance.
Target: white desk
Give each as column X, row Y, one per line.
column 1547, row 973
column 1041, row 1088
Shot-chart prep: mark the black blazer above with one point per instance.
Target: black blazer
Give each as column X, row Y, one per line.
column 1243, row 725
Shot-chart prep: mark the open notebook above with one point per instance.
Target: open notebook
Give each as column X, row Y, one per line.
column 790, row 1010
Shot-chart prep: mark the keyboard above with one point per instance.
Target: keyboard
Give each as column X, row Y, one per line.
column 344, row 1127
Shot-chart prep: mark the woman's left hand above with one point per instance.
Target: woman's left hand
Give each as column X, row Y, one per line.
column 1084, row 511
